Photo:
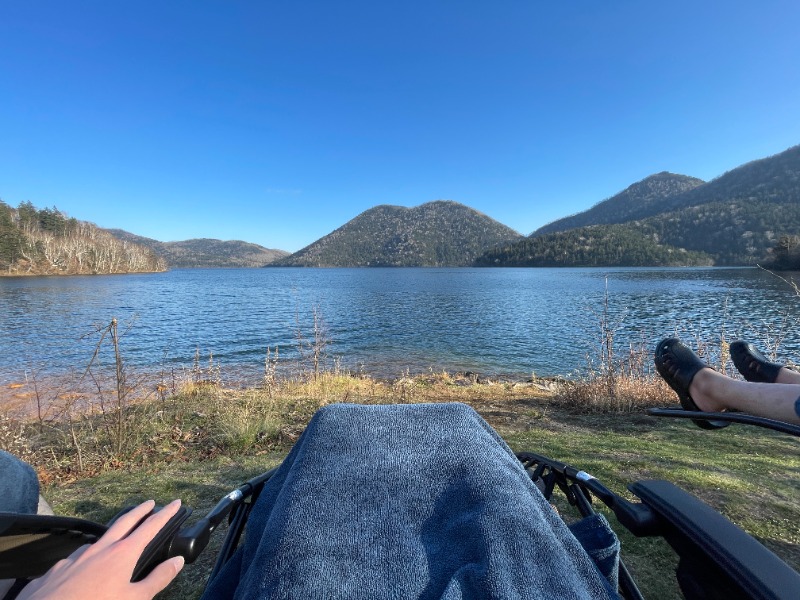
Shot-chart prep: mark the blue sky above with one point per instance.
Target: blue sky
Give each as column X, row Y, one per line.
column 276, row 122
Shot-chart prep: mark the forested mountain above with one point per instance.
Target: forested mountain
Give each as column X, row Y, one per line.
column 436, row 234
column 206, row 253
column 47, row 242
column 593, row 246
column 643, row 196
column 735, row 219
column 738, row 232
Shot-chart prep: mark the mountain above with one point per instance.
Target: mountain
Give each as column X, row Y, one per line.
column 47, row 242
column 206, row 253
column 640, row 198
column 738, row 217
column 735, row 219
column 437, row 234
column 737, row 232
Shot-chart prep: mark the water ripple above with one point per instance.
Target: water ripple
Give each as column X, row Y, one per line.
column 511, row 321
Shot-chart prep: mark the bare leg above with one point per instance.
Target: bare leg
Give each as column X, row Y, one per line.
column 787, row 376
column 715, row 392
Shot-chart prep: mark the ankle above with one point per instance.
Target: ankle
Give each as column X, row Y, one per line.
column 787, row 376
column 704, row 390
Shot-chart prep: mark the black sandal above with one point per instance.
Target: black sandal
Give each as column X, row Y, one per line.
column 678, row 365
column 753, row 365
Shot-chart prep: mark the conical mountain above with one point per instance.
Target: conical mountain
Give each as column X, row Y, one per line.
column 436, row 234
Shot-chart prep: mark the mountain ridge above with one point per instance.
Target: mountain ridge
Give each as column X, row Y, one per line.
column 764, row 178
column 206, row 252
column 734, row 219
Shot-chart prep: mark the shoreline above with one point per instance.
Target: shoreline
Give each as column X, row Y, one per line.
column 87, row 274
column 26, row 399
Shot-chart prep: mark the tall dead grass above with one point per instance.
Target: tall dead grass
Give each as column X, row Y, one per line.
column 630, row 384
column 111, row 419
column 203, row 421
column 614, row 380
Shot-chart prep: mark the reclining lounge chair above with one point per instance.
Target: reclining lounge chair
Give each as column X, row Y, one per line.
column 716, row 558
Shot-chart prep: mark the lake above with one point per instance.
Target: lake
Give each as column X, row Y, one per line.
column 383, row 321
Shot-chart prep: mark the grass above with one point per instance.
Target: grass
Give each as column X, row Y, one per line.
column 204, row 440
column 750, row 476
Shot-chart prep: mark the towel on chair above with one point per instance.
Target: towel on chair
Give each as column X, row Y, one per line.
column 405, row 501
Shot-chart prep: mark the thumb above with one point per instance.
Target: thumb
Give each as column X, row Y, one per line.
column 162, row 575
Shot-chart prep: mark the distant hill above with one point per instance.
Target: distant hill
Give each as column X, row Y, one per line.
column 206, row 253
column 735, row 219
column 641, row 198
column 437, row 234
column 48, row 242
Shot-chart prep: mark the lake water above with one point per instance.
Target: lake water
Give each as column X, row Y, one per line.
column 382, row 321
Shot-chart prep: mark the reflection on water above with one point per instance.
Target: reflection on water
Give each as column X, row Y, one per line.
column 384, row 321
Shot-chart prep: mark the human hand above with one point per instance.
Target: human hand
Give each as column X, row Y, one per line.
column 103, row 570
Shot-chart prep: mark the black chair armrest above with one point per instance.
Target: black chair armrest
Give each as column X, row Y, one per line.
column 718, row 559
column 31, row 544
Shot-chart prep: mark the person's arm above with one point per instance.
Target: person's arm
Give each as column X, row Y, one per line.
column 103, row 570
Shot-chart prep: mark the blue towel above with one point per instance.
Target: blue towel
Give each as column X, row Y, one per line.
column 405, row 501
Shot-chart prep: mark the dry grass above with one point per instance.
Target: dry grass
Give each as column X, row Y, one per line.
column 626, row 385
column 191, row 415
column 203, row 419
column 615, row 394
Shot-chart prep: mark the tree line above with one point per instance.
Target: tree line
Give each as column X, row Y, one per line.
column 594, row 246
column 47, row 242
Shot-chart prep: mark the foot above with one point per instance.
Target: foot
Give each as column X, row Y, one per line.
column 753, row 365
column 679, row 367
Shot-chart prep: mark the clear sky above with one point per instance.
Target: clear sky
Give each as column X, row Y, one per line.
column 277, row 121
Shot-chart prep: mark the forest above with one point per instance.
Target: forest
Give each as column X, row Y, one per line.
column 47, row 242
column 594, row 246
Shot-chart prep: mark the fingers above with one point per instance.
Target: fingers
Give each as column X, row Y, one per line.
column 126, row 525
column 162, row 575
column 123, row 526
column 153, row 524
column 104, row 569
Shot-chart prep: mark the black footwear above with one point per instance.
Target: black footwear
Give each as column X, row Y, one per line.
column 678, row 365
column 753, row 365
